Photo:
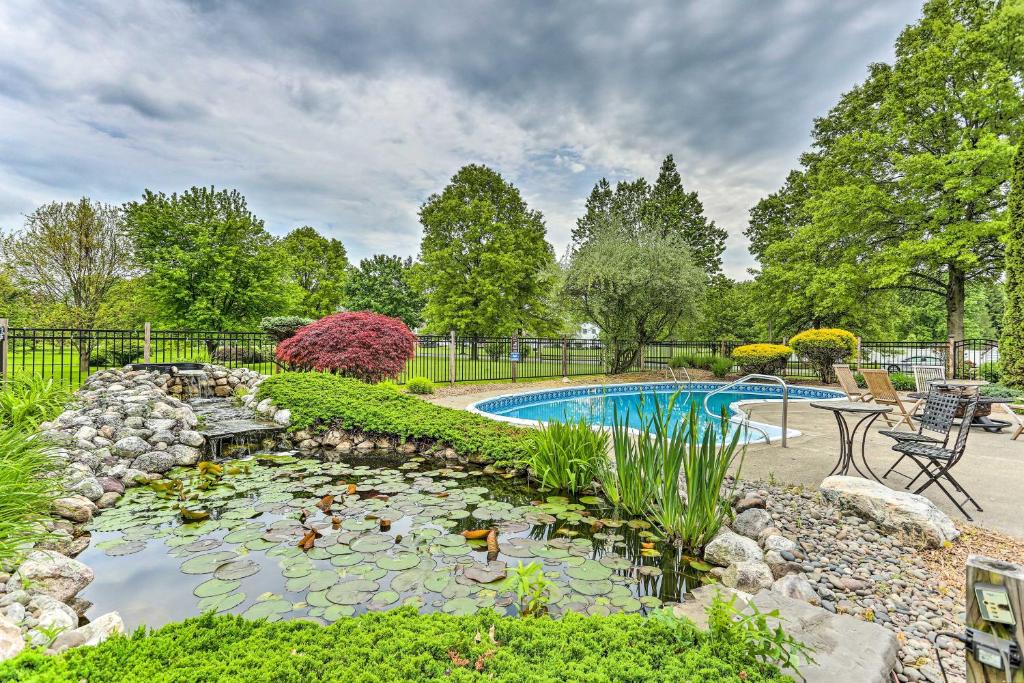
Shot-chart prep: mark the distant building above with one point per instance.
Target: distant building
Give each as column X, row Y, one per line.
column 588, row 331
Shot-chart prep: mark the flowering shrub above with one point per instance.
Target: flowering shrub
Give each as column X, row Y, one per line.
column 368, row 346
column 765, row 359
column 823, row 348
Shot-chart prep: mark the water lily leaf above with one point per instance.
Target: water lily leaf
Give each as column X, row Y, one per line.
column 203, row 545
column 335, row 612
column 347, row 560
column 585, row 587
column 129, row 548
column 589, row 570
column 353, row 524
column 207, row 563
column 221, row 603
column 460, row 606
column 268, row 609
column 214, row 587
column 399, row 562
column 238, row 569
column 372, row 543
column 492, row 571
column 698, row 565
column 615, row 562
column 384, row 598
column 648, row 570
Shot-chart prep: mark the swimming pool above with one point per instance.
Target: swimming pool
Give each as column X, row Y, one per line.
column 597, row 404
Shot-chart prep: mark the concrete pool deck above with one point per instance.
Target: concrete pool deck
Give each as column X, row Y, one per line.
column 992, row 468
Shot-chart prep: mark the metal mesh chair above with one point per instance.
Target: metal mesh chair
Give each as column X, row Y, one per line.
column 848, row 383
column 937, row 418
column 936, row 462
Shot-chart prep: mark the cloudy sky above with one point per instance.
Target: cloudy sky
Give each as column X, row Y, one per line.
column 346, row 116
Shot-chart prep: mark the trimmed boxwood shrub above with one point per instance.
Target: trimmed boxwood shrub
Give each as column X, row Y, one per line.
column 420, row 385
column 280, row 327
column 823, row 348
column 229, row 353
column 367, row 346
column 764, row 359
column 319, row 401
column 401, row 645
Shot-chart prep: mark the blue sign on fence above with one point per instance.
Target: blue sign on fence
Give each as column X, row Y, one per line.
column 514, row 357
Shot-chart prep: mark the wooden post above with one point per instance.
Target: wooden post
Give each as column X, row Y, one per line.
column 858, row 356
column 4, row 334
column 721, row 348
column 989, row 578
column 950, row 360
column 514, row 354
column 147, row 344
column 451, row 358
column 565, row 357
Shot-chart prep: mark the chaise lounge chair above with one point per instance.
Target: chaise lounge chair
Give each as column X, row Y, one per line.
column 884, row 393
column 848, row 383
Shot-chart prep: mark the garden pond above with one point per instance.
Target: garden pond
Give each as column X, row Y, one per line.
column 284, row 536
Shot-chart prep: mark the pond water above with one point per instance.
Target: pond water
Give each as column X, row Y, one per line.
column 154, row 567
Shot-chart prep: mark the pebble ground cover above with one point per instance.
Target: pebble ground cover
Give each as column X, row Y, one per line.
column 378, row 536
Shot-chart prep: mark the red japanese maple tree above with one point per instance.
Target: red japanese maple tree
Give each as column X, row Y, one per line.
column 364, row 345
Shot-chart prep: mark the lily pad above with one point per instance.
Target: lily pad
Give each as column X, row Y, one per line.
column 221, row 603
column 585, row 587
column 372, row 543
column 214, row 587
column 207, row 563
column 460, row 606
column 128, row 548
column 239, row 569
column 589, row 570
column 335, row 612
column 268, row 609
column 399, row 562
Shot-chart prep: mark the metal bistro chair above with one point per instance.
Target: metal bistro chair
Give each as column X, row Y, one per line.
column 938, row 417
column 936, row 462
column 924, row 375
column 849, row 384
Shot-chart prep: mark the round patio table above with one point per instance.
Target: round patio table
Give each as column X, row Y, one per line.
column 865, row 414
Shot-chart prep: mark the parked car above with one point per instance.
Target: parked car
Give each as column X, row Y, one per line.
column 910, row 362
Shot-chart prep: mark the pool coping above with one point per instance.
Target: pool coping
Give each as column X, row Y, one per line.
column 736, row 408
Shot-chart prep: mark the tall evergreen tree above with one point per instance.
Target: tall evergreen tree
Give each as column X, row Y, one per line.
column 1011, row 345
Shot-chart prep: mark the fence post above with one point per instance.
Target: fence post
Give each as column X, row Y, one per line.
column 451, row 358
column 514, row 353
column 4, row 333
column 147, row 346
column 565, row 358
column 858, row 357
column 950, row 356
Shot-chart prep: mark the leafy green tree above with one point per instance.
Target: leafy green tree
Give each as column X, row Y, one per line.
column 209, row 262
column 664, row 209
column 319, row 266
column 635, row 288
column 69, row 257
column 384, row 284
column 1011, row 345
column 905, row 187
column 484, row 255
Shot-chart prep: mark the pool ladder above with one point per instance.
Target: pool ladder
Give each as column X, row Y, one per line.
column 745, row 421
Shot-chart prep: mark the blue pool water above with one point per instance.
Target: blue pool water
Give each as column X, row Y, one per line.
column 598, row 405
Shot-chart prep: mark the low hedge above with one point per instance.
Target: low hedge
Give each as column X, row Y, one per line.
column 765, row 359
column 319, row 401
column 403, row 646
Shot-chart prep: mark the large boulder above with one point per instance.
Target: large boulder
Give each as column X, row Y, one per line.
column 911, row 516
column 752, row 522
column 75, row 508
column 52, row 573
column 11, row 640
column 728, row 547
column 131, row 446
column 748, row 576
column 795, row 586
column 93, row 633
column 154, row 461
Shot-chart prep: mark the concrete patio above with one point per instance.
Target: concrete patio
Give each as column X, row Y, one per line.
column 992, row 469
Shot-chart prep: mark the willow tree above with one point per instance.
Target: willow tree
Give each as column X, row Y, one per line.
column 1011, row 344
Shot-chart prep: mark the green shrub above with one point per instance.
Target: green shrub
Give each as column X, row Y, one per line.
column 1015, row 393
column 568, row 456
column 419, row 385
column 990, row 371
column 901, row 381
column 281, row 327
column 823, row 348
column 26, row 491
column 494, row 350
column 402, row 646
column 319, row 401
column 115, row 357
column 230, row 353
column 28, row 400
column 764, row 359
column 721, row 366
column 680, row 360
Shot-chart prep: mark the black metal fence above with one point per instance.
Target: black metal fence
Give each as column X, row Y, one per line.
column 70, row 355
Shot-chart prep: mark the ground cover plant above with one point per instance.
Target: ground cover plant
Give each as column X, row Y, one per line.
column 403, row 646
column 322, row 400
column 420, row 385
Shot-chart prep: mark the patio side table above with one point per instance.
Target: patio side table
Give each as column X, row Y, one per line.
column 865, row 414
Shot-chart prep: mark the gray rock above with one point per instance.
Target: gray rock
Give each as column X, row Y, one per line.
column 75, row 508
column 11, row 640
column 88, row 487
column 779, row 544
column 161, row 425
column 795, row 586
column 748, row 576
column 108, row 500
column 86, row 433
column 751, row 522
column 52, row 614
column 164, row 437
column 154, row 461
column 130, row 446
column 111, row 485
column 190, row 438
column 912, row 516
column 91, row 634
column 728, row 547
column 283, row 417
column 53, row 574
column 185, row 455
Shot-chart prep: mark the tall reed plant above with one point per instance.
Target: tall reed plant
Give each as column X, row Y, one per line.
column 27, row 490
column 568, row 456
column 630, row 485
column 28, row 400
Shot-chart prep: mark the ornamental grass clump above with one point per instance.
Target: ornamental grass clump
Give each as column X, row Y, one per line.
column 763, row 359
column 568, row 456
column 26, row 492
column 28, row 400
column 367, row 346
column 824, row 348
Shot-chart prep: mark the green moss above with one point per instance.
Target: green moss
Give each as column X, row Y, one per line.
column 403, row 646
column 319, row 401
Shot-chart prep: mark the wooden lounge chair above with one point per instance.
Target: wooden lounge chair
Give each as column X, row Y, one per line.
column 1015, row 419
column 924, row 375
column 884, row 393
column 848, row 384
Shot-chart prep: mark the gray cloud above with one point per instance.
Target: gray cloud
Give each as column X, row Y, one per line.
column 347, row 116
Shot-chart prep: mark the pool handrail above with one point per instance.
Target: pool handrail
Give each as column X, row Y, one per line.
column 745, row 421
